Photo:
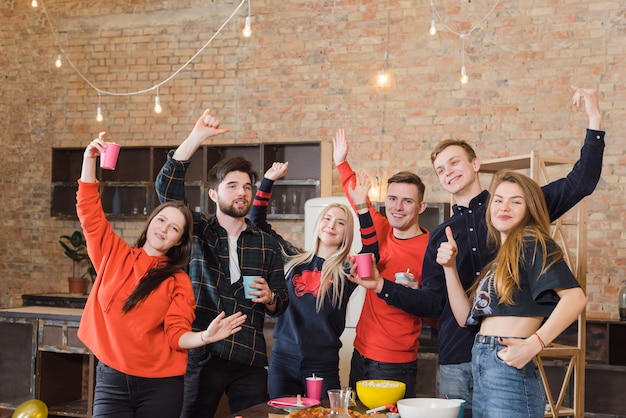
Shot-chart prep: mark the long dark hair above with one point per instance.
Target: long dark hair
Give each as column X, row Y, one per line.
column 177, row 256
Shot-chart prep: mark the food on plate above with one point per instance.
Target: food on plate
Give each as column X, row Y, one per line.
column 321, row 412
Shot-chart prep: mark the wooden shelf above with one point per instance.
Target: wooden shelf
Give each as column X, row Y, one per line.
column 570, row 232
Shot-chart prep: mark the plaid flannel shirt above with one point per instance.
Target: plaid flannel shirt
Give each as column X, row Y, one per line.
column 259, row 255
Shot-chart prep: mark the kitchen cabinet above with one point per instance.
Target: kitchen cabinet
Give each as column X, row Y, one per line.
column 42, row 358
column 128, row 191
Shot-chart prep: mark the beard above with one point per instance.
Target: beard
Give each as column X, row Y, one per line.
column 232, row 211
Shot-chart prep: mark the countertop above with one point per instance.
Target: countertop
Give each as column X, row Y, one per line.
column 43, row 312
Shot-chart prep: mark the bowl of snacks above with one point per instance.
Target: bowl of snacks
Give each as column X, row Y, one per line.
column 377, row 392
column 429, row 408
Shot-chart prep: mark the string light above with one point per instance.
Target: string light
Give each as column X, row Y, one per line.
column 157, row 103
column 58, row 62
column 246, row 29
column 99, row 116
column 382, row 78
column 464, row 77
column 463, row 36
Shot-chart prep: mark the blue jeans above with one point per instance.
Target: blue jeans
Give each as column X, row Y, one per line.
column 287, row 375
column 455, row 382
column 209, row 377
column 362, row 368
column 501, row 390
column 120, row 395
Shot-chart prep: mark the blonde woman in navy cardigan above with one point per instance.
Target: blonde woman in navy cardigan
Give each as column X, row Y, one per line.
column 307, row 335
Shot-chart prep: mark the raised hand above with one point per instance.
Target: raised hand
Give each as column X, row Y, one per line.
column 207, row 126
column 446, row 254
column 276, row 171
column 358, row 192
column 592, row 108
column 340, row 147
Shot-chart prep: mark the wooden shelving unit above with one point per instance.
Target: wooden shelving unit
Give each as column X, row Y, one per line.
column 128, row 191
column 570, row 232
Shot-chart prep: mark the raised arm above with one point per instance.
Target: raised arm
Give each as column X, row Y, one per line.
column 93, row 150
column 563, row 194
column 358, row 194
column 170, row 182
column 206, row 127
column 258, row 214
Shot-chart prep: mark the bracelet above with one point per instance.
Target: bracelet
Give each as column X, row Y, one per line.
column 202, row 339
column 543, row 346
column 361, row 206
column 272, row 299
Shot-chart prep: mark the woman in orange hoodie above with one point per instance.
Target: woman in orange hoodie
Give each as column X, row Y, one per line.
column 137, row 319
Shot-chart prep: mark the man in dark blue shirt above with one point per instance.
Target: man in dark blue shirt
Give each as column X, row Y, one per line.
column 457, row 166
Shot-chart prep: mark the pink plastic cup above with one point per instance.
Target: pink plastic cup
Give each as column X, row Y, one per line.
column 363, row 265
column 108, row 157
column 314, row 387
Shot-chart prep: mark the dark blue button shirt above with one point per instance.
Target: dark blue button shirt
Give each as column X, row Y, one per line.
column 470, row 232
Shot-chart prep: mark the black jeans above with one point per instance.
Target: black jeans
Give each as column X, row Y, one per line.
column 208, row 377
column 122, row 396
column 362, row 368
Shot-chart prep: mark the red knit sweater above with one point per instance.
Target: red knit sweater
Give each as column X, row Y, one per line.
column 386, row 333
column 144, row 341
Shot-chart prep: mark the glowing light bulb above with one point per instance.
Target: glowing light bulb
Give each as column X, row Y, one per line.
column 157, row 105
column 34, row 3
column 382, row 78
column 464, row 77
column 99, row 117
column 58, row 62
column 246, row 30
column 433, row 28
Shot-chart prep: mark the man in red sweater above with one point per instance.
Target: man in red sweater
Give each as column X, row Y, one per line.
column 386, row 342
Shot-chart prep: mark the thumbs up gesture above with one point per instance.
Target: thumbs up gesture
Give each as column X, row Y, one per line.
column 446, row 254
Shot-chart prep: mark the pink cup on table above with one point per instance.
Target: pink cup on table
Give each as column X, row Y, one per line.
column 363, row 265
column 108, row 157
column 314, row 387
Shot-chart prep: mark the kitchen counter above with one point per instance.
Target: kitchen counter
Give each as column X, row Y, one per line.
column 43, row 312
column 62, row 300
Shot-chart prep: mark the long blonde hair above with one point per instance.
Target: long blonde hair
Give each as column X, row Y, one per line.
column 534, row 226
column 333, row 275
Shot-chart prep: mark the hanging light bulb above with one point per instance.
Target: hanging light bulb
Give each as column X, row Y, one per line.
column 374, row 192
column 34, row 3
column 433, row 28
column 382, row 78
column 58, row 62
column 157, row 104
column 464, row 77
column 246, row 30
column 99, row 117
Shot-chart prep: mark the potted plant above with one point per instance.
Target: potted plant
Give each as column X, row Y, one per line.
column 75, row 248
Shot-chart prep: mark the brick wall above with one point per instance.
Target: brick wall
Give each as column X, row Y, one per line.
column 308, row 69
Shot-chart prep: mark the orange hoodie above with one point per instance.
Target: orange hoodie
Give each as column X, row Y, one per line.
column 144, row 341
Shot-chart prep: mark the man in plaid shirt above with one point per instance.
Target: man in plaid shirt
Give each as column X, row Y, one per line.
column 226, row 247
